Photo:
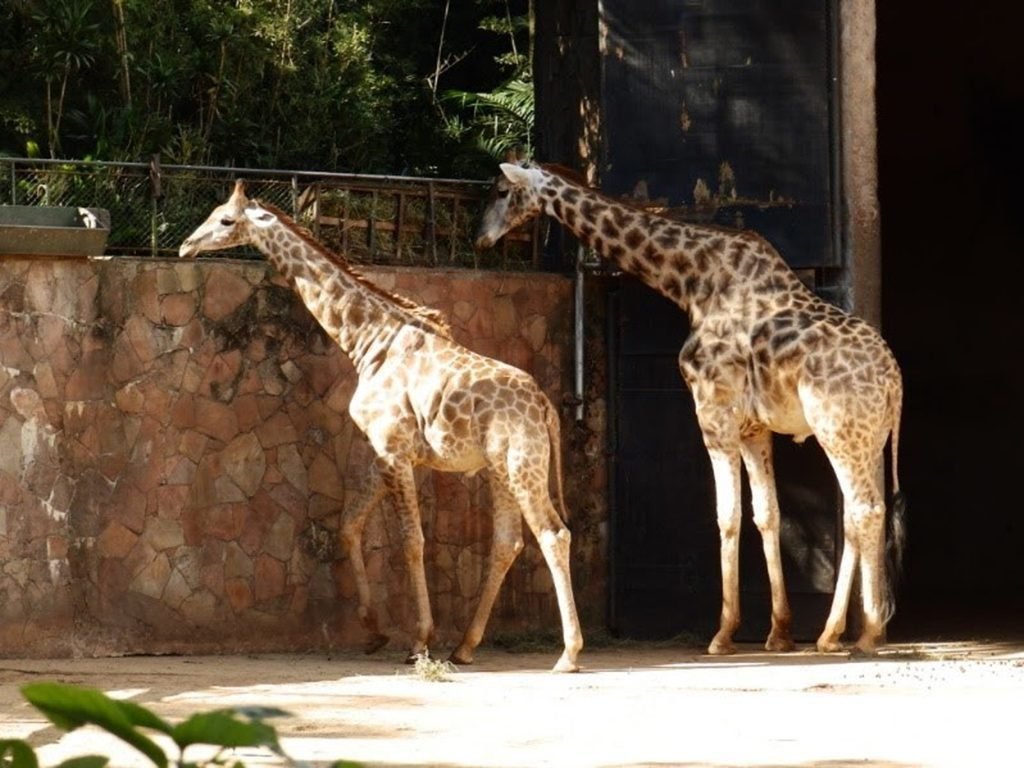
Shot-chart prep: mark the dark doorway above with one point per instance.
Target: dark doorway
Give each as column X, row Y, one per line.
column 951, row 159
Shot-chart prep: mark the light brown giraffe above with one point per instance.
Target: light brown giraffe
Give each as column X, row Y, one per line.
column 421, row 399
column 764, row 355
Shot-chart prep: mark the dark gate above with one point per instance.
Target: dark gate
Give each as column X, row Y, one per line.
column 722, row 106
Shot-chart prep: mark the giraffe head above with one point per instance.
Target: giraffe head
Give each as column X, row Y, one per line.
column 515, row 198
column 230, row 224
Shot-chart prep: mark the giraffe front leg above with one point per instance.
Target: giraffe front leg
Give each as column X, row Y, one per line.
column 757, row 458
column 726, row 469
column 401, row 482
column 352, row 524
column 506, row 545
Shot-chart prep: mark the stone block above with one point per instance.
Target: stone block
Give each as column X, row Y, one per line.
column 152, row 579
column 225, row 292
column 215, row 420
column 116, row 541
column 238, row 593
column 268, row 578
column 245, row 463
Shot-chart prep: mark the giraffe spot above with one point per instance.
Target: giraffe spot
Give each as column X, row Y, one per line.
column 779, row 340
column 716, row 245
column 615, row 252
column 691, row 285
column 681, row 263
column 623, row 216
column 591, row 210
column 671, row 286
column 654, row 257
column 460, row 428
column 449, row 412
column 700, row 260
column 669, row 239
column 549, row 192
column 634, row 238
column 570, row 217
column 556, row 208
column 641, row 270
column 571, row 195
column 608, row 228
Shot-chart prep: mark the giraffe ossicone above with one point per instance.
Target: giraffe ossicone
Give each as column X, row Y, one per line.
column 421, row 399
column 764, row 355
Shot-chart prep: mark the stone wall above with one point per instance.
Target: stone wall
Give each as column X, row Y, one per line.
column 175, row 451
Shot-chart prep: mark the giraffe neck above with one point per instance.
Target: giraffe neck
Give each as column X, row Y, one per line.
column 697, row 267
column 361, row 319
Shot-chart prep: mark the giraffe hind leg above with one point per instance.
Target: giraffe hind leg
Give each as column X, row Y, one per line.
column 506, row 545
column 554, row 540
column 352, row 524
column 401, row 482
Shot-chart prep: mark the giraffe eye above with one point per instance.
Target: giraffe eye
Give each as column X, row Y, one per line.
column 227, row 221
column 502, row 193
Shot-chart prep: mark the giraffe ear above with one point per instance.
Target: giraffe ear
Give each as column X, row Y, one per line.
column 261, row 217
column 516, row 174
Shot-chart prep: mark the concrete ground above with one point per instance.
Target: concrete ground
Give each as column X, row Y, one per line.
column 950, row 704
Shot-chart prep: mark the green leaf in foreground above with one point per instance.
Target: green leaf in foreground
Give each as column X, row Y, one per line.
column 70, row 707
column 17, row 754
column 223, row 728
column 85, row 761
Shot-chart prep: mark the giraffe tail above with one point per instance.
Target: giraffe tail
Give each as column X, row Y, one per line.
column 555, row 439
column 896, row 517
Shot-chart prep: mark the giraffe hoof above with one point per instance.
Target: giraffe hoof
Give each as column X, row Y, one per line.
column 461, row 659
column 779, row 644
column 565, row 664
column 828, row 646
column 721, row 647
column 375, row 643
column 863, row 648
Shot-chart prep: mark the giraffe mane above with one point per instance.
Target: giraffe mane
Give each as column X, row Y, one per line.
column 573, row 177
column 566, row 173
column 432, row 318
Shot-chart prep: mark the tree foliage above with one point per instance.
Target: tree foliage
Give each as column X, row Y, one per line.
column 339, row 85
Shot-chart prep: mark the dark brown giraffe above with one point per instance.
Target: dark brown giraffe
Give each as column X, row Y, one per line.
column 764, row 355
column 421, row 399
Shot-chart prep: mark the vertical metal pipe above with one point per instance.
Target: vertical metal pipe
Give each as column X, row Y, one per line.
column 578, row 319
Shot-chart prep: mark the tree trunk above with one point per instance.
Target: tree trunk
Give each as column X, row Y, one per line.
column 567, row 95
column 567, row 82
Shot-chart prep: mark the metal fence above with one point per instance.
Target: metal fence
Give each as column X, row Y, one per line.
column 396, row 220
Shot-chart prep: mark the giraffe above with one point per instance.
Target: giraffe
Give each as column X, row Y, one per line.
column 421, row 399
column 764, row 355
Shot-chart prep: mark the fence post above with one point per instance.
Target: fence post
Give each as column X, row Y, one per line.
column 431, row 223
column 14, row 184
column 155, row 193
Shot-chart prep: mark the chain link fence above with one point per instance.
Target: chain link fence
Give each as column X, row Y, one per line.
column 394, row 220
